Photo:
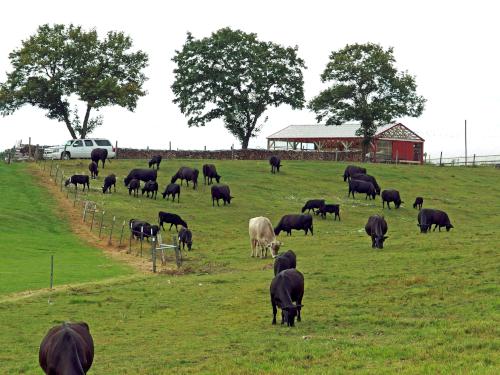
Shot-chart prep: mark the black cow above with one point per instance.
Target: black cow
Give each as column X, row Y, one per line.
column 359, row 186
column 426, row 217
column 312, row 204
column 134, row 186
column 155, row 160
column 99, row 154
column 172, row 219
column 275, row 163
column 141, row 174
column 94, row 171
column 376, row 227
column 298, row 222
column 287, row 287
column 108, row 182
column 221, row 192
column 172, row 189
column 209, row 173
column 330, row 209
column 419, row 201
column 150, row 187
column 142, row 229
column 185, row 238
column 351, row 170
column 367, row 178
column 285, row 261
column 78, row 179
column 391, row 196
column 188, row 174
column 67, row 349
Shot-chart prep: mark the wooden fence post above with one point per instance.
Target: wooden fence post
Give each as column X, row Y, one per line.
column 121, row 235
column 102, row 221
column 85, row 210
column 474, row 160
column 92, row 222
column 29, row 148
column 111, row 231
column 62, row 178
column 142, row 237
column 441, row 159
column 51, row 271
column 76, row 196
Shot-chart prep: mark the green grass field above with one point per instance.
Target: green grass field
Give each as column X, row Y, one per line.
column 424, row 304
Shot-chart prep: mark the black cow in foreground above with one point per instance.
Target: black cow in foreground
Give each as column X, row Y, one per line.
column 359, row 186
column 141, row 174
column 99, row 154
column 427, row 217
column 391, row 196
column 142, row 229
column 376, row 227
column 419, row 201
column 172, row 219
column 150, row 187
column 298, row 222
column 367, row 178
column 285, row 261
column 287, row 287
column 221, row 192
column 275, row 163
column 209, row 173
column 108, row 182
column 330, row 209
column 67, row 349
column 78, row 179
column 155, row 160
column 351, row 170
column 188, row 174
column 185, row 238
column 313, row 204
column 173, row 190
column 94, row 171
column 134, row 186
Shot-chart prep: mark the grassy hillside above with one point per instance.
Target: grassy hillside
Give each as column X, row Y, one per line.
column 424, row 304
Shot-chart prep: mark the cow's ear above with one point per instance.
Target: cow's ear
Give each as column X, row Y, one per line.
column 299, row 306
column 84, row 325
column 385, row 237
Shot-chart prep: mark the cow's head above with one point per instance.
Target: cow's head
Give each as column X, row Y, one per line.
column 217, row 178
column 289, row 314
column 274, row 246
column 126, row 181
column 229, row 199
column 379, row 241
column 67, row 182
column 173, row 179
column 398, row 203
column 448, row 227
column 423, row 227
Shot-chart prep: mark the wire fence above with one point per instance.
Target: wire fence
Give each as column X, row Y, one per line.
column 467, row 161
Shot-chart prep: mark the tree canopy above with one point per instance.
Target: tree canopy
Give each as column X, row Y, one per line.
column 366, row 87
column 235, row 77
column 60, row 63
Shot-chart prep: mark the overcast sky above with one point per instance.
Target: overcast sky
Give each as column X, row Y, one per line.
column 452, row 48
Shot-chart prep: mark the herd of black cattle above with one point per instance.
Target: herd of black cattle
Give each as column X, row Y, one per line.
column 69, row 348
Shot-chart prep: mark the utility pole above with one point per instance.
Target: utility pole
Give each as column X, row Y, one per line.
column 465, row 142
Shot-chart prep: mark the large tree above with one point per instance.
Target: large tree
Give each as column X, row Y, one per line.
column 60, row 64
column 235, row 77
column 366, row 87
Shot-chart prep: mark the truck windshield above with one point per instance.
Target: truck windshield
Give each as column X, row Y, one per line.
column 69, row 142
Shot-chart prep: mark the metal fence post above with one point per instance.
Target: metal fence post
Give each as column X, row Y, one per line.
column 102, row 221
column 62, row 178
column 142, row 237
column 121, row 235
column 57, row 172
column 441, row 159
column 51, row 271
column 92, row 222
column 177, row 249
column 76, row 195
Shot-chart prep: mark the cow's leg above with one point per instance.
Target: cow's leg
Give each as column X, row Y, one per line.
column 388, row 205
column 252, row 244
column 373, row 241
column 171, row 224
column 299, row 302
column 311, row 229
column 275, row 310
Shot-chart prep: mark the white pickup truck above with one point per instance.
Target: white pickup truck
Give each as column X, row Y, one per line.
column 79, row 149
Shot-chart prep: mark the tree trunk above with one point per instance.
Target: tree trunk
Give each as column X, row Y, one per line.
column 70, row 128
column 83, row 133
column 244, row 141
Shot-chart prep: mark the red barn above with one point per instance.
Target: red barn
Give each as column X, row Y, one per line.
column 392, row 142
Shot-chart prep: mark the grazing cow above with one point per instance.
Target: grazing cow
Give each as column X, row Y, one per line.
column 150, row 187
column 134, row 186
column 352, row 170
column 427, row 217
column 312, row 204
column 298, row 222
column 419, row 201
column 209, row 173
column 376, row 227
column 172, row 189
column 221, row 192
column 188, row 174
column 367, row 178
column 285, row 261
column 67, row 349
column 142, row 229
column 141, row 174
column 330, row 209
column 108, row 182
column 287, row 287
column 275, row 163
column 391, row 196
column 99, row 154
column 262, row 236
column 359, row 186
column 78, row 179
column 185, row 238
column 172, row 219
column 155, row 160
column 94, row 172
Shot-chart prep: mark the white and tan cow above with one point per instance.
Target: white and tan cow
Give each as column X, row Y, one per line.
column 262, row 236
